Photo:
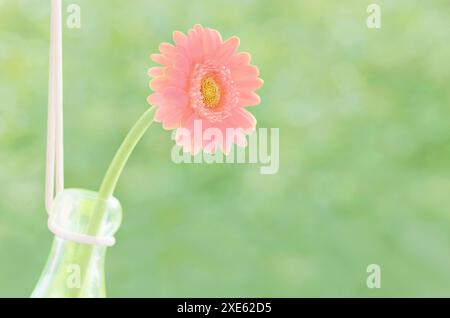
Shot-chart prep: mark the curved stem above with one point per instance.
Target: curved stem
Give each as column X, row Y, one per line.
column 116, row 167
column 110, row 181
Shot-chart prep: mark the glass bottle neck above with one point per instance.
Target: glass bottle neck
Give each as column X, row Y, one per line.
column 75, row 269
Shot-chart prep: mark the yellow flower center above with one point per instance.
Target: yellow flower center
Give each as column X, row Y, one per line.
column 210, row 92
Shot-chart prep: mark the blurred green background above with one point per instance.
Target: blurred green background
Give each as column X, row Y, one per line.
column 364, row 139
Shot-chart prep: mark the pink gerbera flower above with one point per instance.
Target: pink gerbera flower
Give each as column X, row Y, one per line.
column 204, row 84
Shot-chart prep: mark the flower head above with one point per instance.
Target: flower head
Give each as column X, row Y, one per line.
column 204, row 84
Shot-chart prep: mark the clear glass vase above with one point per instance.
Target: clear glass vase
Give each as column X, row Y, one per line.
column 76, row 269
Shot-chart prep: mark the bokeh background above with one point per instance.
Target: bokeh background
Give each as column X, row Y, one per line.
column 364, row 139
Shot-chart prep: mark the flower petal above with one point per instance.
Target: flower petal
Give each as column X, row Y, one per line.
column 244, row 72
column 160, row 59
column 176, row 77
column 249, row 85
column 155, row 71
column 248, row 99
column 175, row 96
column 227, row 49
column 244, row 119
column 167, row 50
column 210, row 42
column 179, row 38
column 238, row 60
column 199, row 31
column 182, row 63
column 195, row 46
column 171, row 116
column 158, row 83
column 156, row 99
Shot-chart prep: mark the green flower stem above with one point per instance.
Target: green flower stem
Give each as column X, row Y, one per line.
column 115, row 169
column 110, row 180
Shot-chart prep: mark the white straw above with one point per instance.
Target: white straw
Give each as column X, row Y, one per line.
column 55, row 147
